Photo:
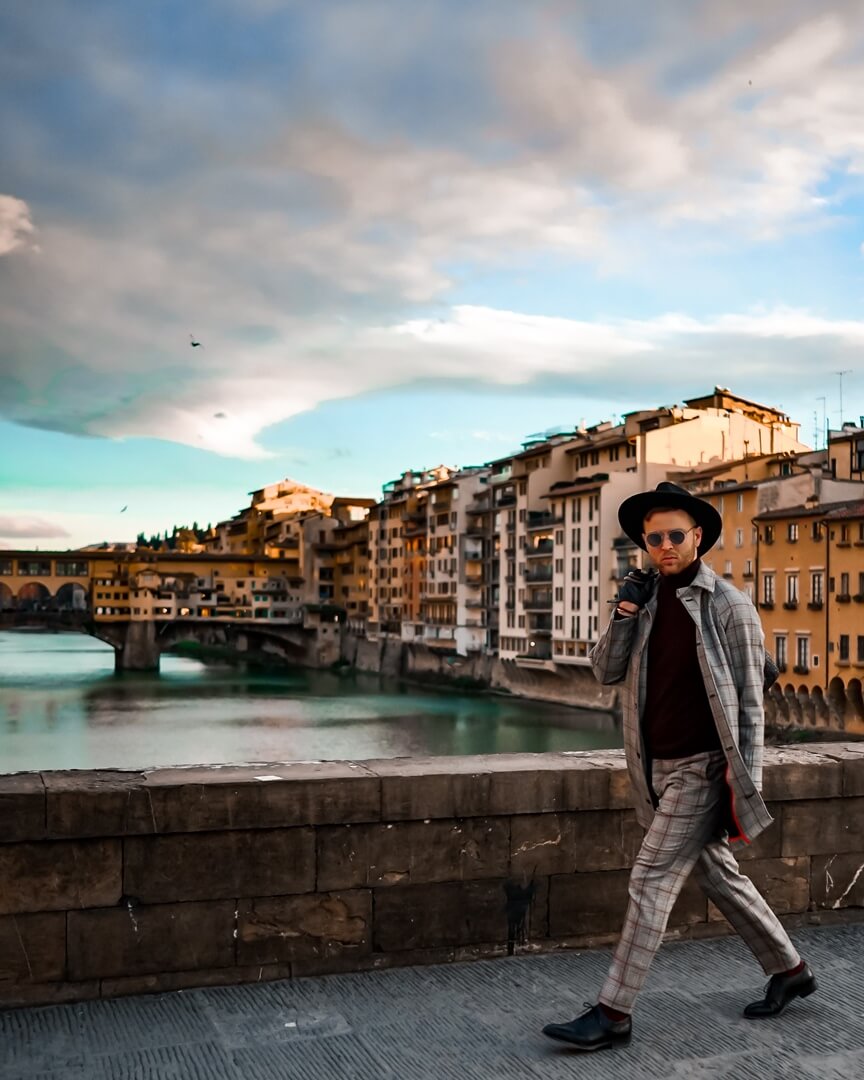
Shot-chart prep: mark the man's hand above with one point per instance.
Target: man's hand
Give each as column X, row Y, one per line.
column 636, row 590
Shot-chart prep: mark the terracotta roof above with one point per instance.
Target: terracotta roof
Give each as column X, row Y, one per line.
column 810, row 510
column 849, row 510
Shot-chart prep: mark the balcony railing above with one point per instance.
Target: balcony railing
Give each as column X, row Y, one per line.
column 544, row 547
column 542, row 573
column 539, row 602
column 543, row 519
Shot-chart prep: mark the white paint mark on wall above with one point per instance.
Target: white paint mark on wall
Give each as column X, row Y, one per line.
column 848, row 888
column 540, row 843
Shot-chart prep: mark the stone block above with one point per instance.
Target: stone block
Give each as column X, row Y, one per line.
column 170, row 981
column 412, row 852
column 142, row 939
column 527, row 784
column 57, row 875
column 279, row 929
column 785, row 883
column 823, row 826
column 617, row 788
column 32, row 948
column 230, row 797
column 587, row 903
column 27, row 995
column 596, row 903
column 793, row 773
column 458, row 913
column 98, row 803
column 567, row 843
column 210, row 866
column 837, row 881
column 767, row 844
column 420, row 788
column 22, row 808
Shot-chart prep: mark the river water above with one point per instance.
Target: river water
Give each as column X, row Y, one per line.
column 62, row 707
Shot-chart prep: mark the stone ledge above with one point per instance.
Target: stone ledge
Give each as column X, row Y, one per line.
column 72, row 805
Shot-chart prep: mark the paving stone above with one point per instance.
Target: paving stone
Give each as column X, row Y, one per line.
column 477, row 1021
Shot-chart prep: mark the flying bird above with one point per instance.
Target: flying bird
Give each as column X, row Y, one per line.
column 125, row 508
column 195, row 344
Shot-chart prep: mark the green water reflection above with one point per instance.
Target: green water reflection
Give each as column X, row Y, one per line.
column 62, row 707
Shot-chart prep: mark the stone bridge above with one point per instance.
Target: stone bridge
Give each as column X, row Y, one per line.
column 139, row 644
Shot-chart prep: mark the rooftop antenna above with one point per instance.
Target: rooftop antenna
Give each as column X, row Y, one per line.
column 840, row 375
column 824, row 400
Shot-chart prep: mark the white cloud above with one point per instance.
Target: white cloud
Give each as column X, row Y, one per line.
column 16, row 227
column 25, row 527
column 325, row 220
column 619, row 359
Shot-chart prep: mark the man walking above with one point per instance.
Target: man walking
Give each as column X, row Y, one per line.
column 689, row 650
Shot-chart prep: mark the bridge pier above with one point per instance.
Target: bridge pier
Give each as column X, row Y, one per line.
column 138, row 650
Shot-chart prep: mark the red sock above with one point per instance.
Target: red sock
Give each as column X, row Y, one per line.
column 612, row 1014
column 794, row 971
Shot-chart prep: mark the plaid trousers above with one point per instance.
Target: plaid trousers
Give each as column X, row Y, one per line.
column 683, row 837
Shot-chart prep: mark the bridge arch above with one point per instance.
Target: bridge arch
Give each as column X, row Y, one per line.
column 71, row 597
column 7, row 598
column 34, row 596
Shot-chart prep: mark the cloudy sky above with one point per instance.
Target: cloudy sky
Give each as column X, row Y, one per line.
column 405, row 234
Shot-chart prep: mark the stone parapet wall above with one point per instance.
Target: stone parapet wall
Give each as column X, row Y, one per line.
column 126, row 882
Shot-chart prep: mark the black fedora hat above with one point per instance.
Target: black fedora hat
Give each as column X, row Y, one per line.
column 631, row 513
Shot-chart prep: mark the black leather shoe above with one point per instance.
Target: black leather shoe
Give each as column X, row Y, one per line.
column 780, row 990
column 593, row 1030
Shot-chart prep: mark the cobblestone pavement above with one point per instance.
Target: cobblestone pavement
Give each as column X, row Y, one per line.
column 464, row 1021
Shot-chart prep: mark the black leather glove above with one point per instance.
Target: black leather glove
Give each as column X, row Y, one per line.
column 638, row 587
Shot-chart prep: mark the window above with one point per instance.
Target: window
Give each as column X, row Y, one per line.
column 816, row 530
column 768, row 588
column 817, row 587
column 792, row 532
column 780, row 655
column 802, row 654
column 748, row 568
column 739, row 501
column 843, row 649
column 769, row 534
column 739, row 538
column 72, row 569
column 860, row 652
column 727, row 568
column 844, row 585
column 791, row 588
column 33, row 569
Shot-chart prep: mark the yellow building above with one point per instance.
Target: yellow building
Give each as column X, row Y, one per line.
column 844, row 533
column 793, row 585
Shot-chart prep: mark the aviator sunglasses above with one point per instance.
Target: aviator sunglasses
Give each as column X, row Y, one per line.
column 676, row 536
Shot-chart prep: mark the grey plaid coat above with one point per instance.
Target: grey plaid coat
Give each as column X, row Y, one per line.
column 731, row 651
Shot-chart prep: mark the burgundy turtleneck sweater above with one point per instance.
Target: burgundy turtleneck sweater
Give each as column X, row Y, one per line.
column 677, row 720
